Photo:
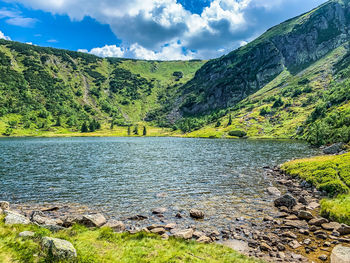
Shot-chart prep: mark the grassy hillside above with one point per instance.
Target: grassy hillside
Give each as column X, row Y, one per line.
column 330, row 174
column 50, row 90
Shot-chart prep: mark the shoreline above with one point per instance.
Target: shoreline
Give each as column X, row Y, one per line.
column 294, row 233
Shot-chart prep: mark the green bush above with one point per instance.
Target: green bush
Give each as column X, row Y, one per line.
column 237, row 133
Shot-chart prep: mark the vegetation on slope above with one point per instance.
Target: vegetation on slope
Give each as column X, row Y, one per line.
column 45, row 88
column 103, row 245
column 330, row 174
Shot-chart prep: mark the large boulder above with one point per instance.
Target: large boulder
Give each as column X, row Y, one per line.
column 305, row 215
column 340, row 254
column 286, row 200
column 92, row 220
column 318, row 221
column 59, row 248
column 197, row 214
column 13, row 218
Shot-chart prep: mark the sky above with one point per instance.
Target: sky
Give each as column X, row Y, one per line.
column 145, row 29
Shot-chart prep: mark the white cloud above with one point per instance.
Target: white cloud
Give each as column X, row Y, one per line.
column 152, row 28
column 15, row 18
column 2, row 36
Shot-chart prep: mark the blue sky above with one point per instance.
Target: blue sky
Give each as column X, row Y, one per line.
column 145, row 29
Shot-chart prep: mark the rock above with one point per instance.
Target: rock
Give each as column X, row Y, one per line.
column 198, row 234
column 41, row 220
column 204, row 239
column 318, row 221
column 178, row 215
column 313, row 206
column 327, row 244
column 294, row 244
column 26, row 234
column 185, row 234
column 292, row 217
column 340, row 254
column 343, row 229
column 170, row 226
column 59, row 248
column 93, row 220
column 273, row 191
column 265, row 247
column 289, row 234
column 53, row 228
column 323, row 257
column 307, row 241
column 158, row 230
column 267, row 218
column 335, row 233
column 296, row 224
column 286, row 200
column 138, row 217
column 330, row 226
column 4, row 205
column 117, row 226
column 13, row 218
column 304, row 232
column 281, row 247
column 159, row 210
column 283, row 209
column 305, row 215
column 334, row 148
column 197, row 214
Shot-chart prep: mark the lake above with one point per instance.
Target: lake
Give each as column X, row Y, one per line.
column 127, row 176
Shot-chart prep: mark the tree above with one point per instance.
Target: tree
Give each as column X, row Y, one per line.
column 58, row 121
column 136, row 130
column 218, row 124
column 144, row 131
column 112, row 124
column 229, row 120
column 84, row 127
column 129, row 130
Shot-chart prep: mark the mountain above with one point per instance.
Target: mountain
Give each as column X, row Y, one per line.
column 291, row 82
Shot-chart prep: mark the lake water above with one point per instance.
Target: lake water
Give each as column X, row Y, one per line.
column 128, row 176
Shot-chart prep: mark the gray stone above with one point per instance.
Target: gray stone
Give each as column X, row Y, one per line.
column 286, row 200
column 26, row 234
column 323, row 257
column 4, row 205
column 330, row 226
column 313, row 206
column 158, row 230
column 159, row 210
column 294, row 244
column 13, row 218
column 117, row 226
column 93, row 220
column 204, row 239
column 59, row 248
column 170, row 226
column 273, row 191
column 197, row 214
column 343, row 229
column 305, row 215
column 185, row 234
column 265, row 247
column 340, row 254
column 318, row 221
column 334, row 148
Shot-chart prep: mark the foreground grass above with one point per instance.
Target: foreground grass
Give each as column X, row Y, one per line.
column 103, row 245
column 330, row 174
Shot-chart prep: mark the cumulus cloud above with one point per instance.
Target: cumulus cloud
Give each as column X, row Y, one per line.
column 153, row 28
column 15, row 18
column 2, row 36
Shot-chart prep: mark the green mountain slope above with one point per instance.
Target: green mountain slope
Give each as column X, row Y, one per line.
column 44, row 88
column 291, row 82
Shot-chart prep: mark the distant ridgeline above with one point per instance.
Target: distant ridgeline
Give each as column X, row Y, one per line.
column 291, row 82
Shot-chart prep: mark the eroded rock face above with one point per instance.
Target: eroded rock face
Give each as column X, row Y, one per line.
column 13, row 218
column 59, row 248
column 340, row 254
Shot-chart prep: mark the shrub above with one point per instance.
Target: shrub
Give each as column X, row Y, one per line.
column 237, row 133
column 265, row 111
column 278, row 103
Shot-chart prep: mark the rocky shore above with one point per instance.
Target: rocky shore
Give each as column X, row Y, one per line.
column 295, row 233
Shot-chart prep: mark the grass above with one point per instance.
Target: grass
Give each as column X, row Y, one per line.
column 330, row 174
column 103, row 245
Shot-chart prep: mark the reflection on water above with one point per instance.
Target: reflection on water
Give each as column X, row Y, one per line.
column 126, row 176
